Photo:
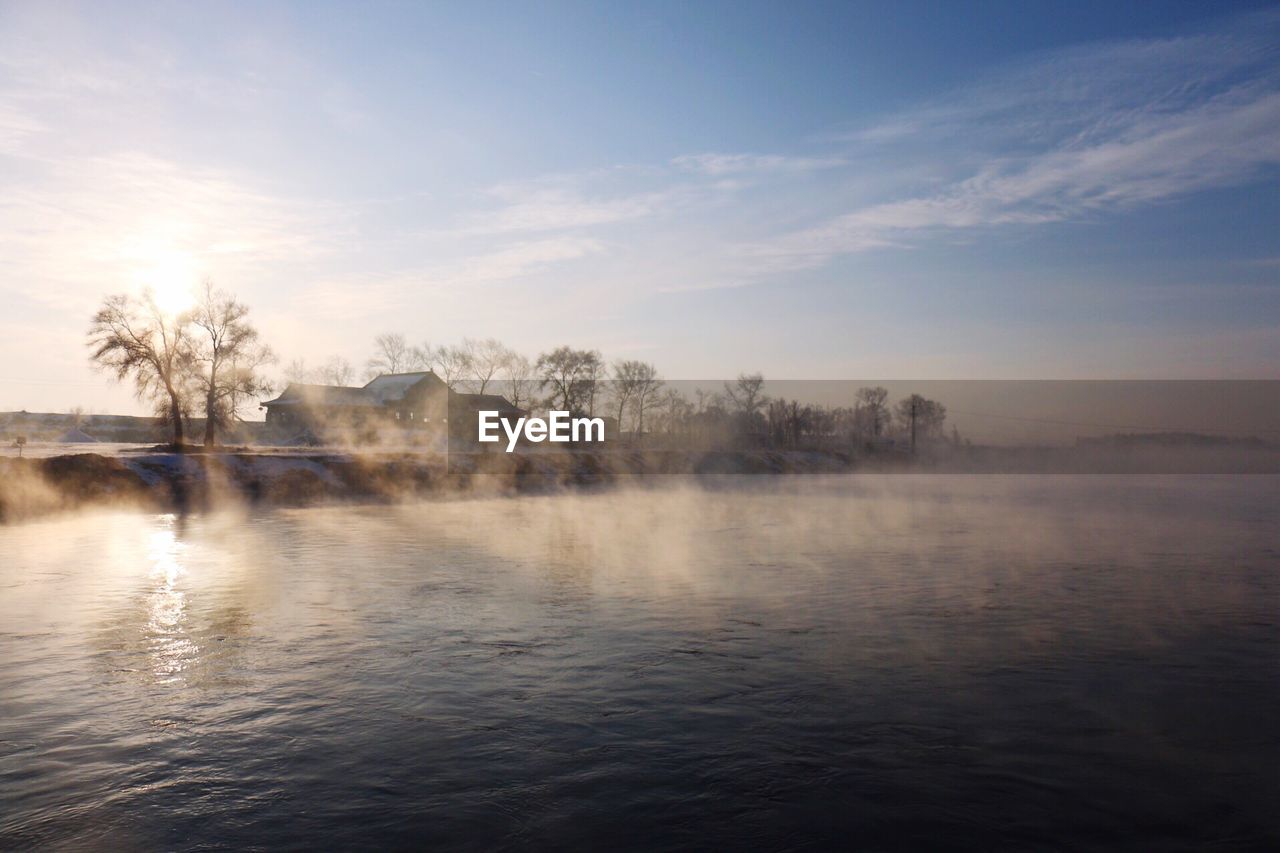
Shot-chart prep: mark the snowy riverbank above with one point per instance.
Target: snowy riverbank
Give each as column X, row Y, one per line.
column 167, row 481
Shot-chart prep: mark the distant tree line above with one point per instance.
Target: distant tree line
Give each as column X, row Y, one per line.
column 645, row 407
column 742, row 414
column 210, row 360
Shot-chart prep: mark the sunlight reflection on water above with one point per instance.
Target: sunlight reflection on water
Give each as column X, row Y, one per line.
column 171, row 649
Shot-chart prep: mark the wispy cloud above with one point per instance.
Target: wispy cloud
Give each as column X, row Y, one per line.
column 558, row 209
column 1077, row 134
column 518, row 260
column 735, row 164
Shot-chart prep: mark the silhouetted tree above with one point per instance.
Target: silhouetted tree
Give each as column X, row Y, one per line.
column 520, row 381
column 674, row 411
column 707, row 400
column 873, row 409
column 747, row 397
column 484, row 360
column 134, row 338
column 336, row 371
column 635, row 386
column 224, row 358
column 571, row 374
column 392, row 354
column 746, row 393
column 596, row 372
column 920, row 418
column 623, row 385
column 452, row 364
column 297, row 371
column 788, row 422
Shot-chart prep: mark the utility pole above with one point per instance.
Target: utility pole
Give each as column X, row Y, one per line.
column 914, row 398
column 235, row 385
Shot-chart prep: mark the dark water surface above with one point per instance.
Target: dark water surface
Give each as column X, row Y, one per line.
column 885, row 663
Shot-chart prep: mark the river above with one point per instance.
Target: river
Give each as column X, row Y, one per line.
column 890, row 662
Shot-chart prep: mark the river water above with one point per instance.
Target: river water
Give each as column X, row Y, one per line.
column 881, row 662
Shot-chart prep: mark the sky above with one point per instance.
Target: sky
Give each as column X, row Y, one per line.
column 810, row 190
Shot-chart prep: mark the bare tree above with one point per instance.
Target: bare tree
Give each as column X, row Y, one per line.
column 675, row 410
column 788, row 422
column 707, row 400
column 647, row 387
column 571, row 374
column 485, row 359
column 520, row 381
column 635, row 384
column 745, row 393
column 594, row 372
column 423, row 357
column 336, row 371
column 136, row 339
column 297, row 371
column 920, row 418
column 748, row 399
column 392, row 354
column 623, row 386
column 452, row 364
column 225, row 357
column 873, row 408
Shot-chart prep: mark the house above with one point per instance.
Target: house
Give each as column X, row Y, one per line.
column 417, row 409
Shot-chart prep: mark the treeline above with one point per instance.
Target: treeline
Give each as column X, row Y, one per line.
column 209, row 361
column 741, row 414
column 574, row 380
column 648, row 409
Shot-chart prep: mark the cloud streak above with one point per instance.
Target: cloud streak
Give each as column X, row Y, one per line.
column 1070, row 137
column 559, row 209
column 717, row 165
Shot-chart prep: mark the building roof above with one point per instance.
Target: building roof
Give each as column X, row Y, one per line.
column 488, row 402
column 300, row 393
column 391, row 387
column 387, row 389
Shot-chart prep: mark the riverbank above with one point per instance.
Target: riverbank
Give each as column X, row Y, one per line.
column 157, row 480
column 175, row 482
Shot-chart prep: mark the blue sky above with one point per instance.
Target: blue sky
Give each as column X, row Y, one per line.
column 894, row 190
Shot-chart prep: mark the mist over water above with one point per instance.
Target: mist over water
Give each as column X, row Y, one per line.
column 947, row 661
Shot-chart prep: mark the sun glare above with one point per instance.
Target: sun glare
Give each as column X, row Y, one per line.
column 170, row 276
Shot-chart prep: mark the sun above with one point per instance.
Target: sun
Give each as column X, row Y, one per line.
column 170, row 276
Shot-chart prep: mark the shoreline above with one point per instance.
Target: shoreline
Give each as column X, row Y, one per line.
column 167, row 481
column 159, row 480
